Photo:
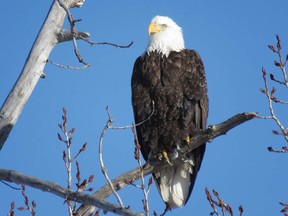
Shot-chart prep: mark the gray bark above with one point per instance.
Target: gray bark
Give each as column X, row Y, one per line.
column 33, row 69
column 51, row 187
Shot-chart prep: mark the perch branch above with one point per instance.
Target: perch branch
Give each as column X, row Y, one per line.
column 47, row 186
column 208, row 135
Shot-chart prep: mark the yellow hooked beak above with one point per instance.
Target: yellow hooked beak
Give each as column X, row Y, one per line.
column 153, row 28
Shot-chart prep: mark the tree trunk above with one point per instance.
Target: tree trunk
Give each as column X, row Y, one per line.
column 33, row 69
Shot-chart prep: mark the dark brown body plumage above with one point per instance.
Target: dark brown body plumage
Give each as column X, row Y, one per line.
column 176, row 85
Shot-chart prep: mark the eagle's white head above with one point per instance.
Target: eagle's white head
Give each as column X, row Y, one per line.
column 164, row 36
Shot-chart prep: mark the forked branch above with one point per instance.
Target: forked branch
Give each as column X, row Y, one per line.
column 221, row 204
column 270, row 93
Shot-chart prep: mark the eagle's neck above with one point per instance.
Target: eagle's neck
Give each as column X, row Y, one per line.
column 165, row 43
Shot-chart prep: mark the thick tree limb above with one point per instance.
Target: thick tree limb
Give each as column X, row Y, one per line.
column 208, row 135
column 89, row 202
column 19, row 178
column 33, row 69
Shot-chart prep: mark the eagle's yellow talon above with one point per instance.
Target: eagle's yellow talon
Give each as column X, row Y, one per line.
column 188, row 139
column 165, row 155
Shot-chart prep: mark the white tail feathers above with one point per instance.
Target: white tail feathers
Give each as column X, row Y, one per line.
column 174, row 183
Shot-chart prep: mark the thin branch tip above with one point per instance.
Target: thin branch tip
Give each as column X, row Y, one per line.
column 92, row 43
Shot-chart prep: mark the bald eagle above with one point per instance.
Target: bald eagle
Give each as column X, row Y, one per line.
column 170, row 104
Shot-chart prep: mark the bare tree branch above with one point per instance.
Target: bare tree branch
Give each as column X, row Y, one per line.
column 284, row 209
column 102, row 165
column 66, row 35
column 221, row 204
column 68, row 66
column 27, row 203
column 107, row 43
column 270, row 93
column 89, row 201
column 72, row 22
column 47, row 186
column 125, row 179
column 33, row 69
column 11, row 211
column 137, row 156
column 49, row 35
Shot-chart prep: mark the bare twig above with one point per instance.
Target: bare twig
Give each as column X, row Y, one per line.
column 15, row 188
column 11, row 211
column 221, row 204
column 73, row 32
column 134, row 125
column 82, row 185
column 211, row 202
column 106, row 43
column 281, row 64
column 73, row 35
column 27, row 204
column 284, row 210
column 138, row 158
column 103, row 168
column 67, row 154
column 270, row 94
column 284, row 149
column 82, row 149
column 68, row 160
column 68, row 66
column 137, row 151
column 67, row 36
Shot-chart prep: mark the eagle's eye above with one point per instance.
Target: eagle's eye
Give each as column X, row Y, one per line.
column 164, row 25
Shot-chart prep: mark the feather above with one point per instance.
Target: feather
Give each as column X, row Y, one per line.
column 174, row 183
column 169, row 98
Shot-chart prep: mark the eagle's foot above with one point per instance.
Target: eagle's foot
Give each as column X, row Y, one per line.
column 187, row 139
column 173, row 153
column 165, row 155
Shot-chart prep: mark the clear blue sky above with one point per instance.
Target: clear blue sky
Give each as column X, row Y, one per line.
column 231, row 37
